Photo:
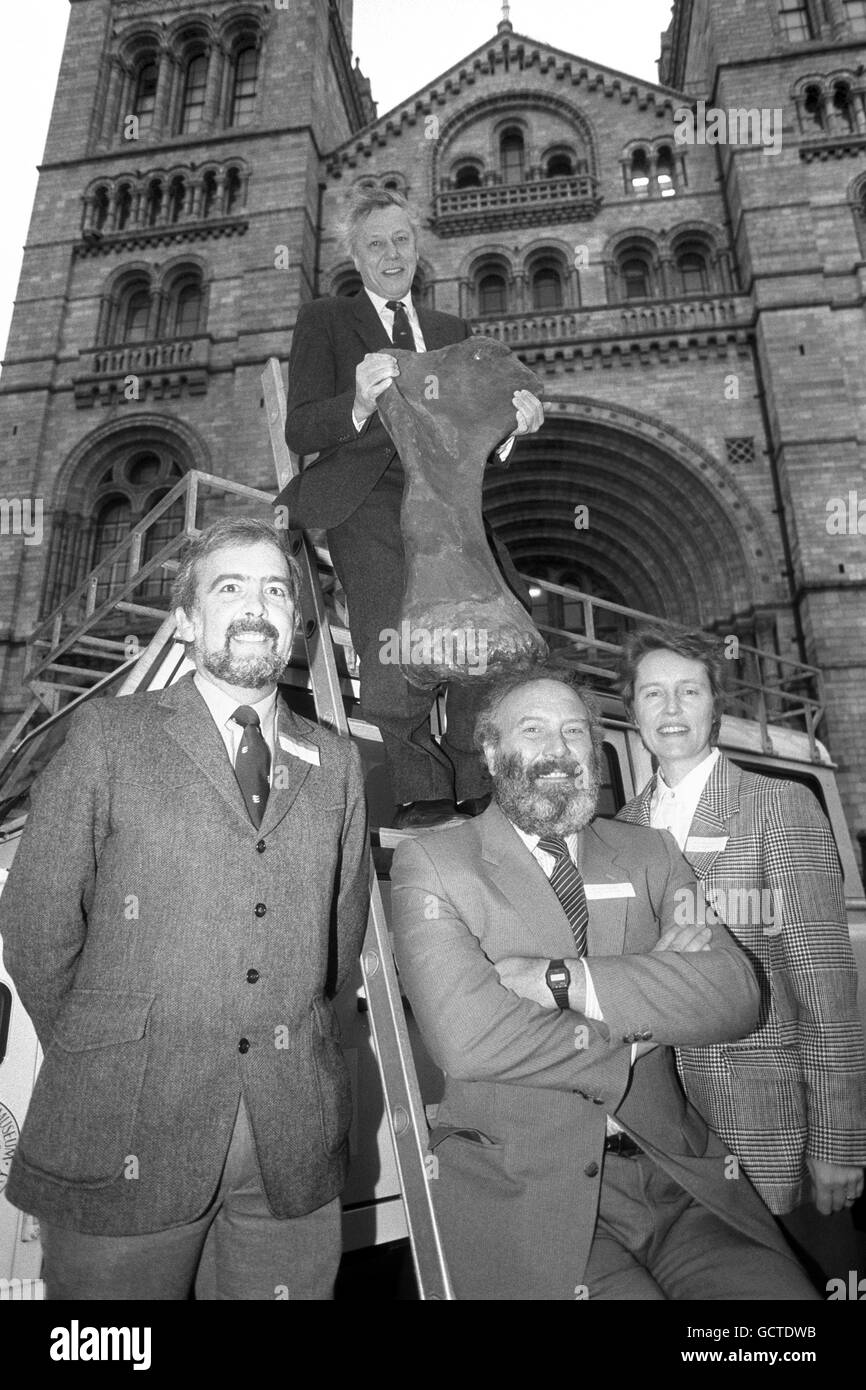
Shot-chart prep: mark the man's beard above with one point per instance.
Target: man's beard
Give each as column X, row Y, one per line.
column 552, row 808
column 249, row 672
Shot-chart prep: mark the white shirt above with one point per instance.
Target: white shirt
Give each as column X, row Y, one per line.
column 673, row 808
column 223, row 706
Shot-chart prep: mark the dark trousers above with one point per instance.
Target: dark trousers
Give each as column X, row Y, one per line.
column 367, row 551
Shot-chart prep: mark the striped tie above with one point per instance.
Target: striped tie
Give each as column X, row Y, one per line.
column 567, row 884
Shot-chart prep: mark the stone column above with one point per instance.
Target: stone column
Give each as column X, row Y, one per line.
column 212, row 115
column 164, row 86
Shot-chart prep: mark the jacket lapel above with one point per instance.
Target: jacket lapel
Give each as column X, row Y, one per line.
column 719, row 801
column 368, row 325
column 436, row 334
column 521, row 879
column 193, row 729
column 294, row 756
column 601, row 867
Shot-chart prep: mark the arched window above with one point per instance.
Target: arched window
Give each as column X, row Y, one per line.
column 232, row 191
column 546, row 287
column 796, row 23
column 492, row 293
column 640, row 173
column 135, row 316
column 124, row 207
column 208, row 193
column 100, row 209
column 176, row 198
column 559, row 166
column 166, row 526
column 144, row 101
column 347, row 284
column 512, row 154
column 143, row 469
column 842, row 104
column 665, row 172
column 112, row 525
column 467, row 176
column 154, row 202
column 244, row 86
column 194, row 87
column 692, row 266
column 813, row 105
column 188, row 311
column 636, row 282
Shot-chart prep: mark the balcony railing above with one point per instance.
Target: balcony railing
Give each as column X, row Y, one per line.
column 685, row 314
column 538, row 327
column 162, row 368
column 517, row 204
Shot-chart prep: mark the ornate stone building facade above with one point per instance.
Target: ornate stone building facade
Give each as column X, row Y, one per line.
column 695, row 306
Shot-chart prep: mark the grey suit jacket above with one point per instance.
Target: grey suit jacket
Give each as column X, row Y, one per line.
column 521, row 1129
column 140, row 898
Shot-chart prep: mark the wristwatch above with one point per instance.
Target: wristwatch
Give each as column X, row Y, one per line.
column 558, row 977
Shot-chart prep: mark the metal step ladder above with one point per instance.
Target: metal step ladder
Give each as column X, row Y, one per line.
column 390, row 1035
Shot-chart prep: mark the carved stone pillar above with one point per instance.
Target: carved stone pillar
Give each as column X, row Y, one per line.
column 162, row 101
column 212, row 115
column 111, row 118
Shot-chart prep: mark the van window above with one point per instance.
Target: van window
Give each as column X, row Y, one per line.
column 611, row 796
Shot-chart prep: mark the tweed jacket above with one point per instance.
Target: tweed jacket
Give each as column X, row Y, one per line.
column 520, row 1132
column 796, row 1085
column 173, row 957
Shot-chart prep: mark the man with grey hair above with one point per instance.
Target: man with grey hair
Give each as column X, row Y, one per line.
column 538, row 948
column 339, row 367
column 190, row 892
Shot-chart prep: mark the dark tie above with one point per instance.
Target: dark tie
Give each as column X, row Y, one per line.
column 567, row 884
column 252, row 764
column 401, row 333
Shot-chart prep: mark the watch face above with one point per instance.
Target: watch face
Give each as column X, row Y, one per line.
column 558, row 978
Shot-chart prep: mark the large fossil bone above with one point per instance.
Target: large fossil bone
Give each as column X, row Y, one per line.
column 446, row 412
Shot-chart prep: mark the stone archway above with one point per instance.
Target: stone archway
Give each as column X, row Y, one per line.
column 670, row 532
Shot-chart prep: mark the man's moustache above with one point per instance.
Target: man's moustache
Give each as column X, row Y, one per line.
column 263, row 628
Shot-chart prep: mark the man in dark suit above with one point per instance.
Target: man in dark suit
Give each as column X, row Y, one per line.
column 190, row 893
column 539, row 952
column 339, row 366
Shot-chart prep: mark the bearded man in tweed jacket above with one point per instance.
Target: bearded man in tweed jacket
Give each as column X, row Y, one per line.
column 790, row 1098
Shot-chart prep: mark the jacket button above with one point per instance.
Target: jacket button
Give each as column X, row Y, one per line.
column 260, row 909
column 252, row 977
column 243, row 1045
column 260, row 847
column 591, row 1170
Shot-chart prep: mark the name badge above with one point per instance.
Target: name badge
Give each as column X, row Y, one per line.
column 305, row 751
column 609, row 890
column 706, row 844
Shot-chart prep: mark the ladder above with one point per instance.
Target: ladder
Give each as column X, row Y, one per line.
column 402, row 1095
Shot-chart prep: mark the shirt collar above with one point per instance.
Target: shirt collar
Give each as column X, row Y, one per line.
column 379, row 303
column 223, row 706
column 531, row 841
column 692, row 784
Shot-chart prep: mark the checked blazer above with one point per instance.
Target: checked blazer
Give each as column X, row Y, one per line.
column 796, row 1086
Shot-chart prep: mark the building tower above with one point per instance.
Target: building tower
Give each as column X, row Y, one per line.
column 174, row 233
